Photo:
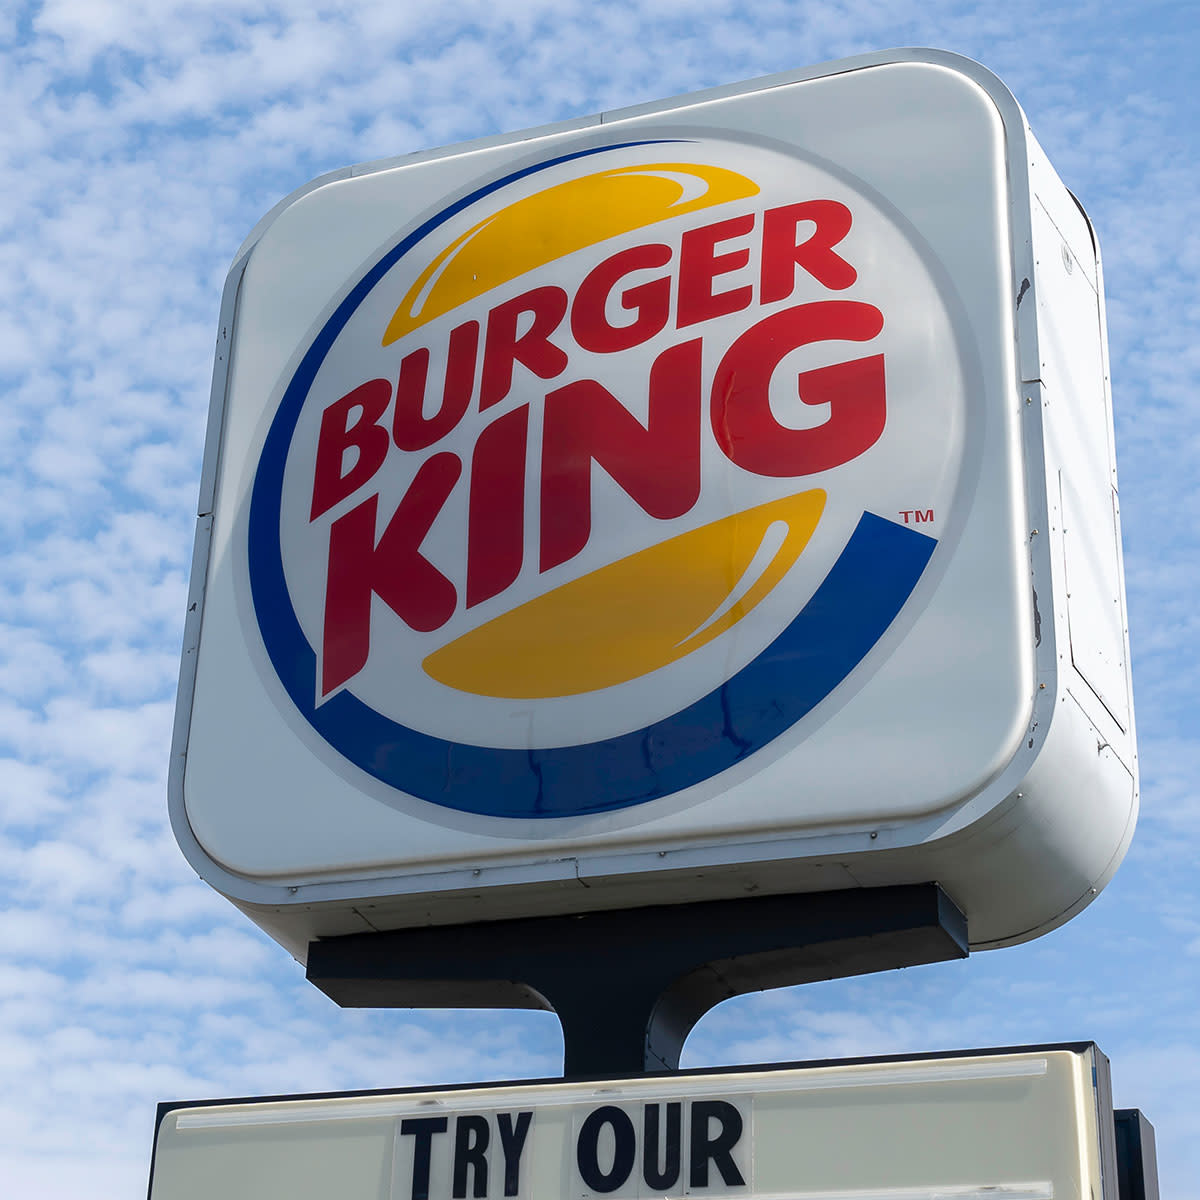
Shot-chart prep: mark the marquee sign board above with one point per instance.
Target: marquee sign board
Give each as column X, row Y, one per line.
column 1031, row 1124
column 711, row 497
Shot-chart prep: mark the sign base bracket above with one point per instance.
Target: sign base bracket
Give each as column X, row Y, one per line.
column 629, row 984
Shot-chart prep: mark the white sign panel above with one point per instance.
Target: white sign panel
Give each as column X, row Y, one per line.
column 1016, row 1126
column 662, row 506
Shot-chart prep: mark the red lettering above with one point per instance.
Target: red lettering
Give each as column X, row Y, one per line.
column 496, row 521
column 782, row 253
column 657, row 464
column 392, row 569
column 411, row 429
column 532, row 349
column 699, row 265
column 742, row 420
column 332, row 482
column 650, row 301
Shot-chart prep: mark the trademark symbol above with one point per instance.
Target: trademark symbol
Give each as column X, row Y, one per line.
column 917, row 516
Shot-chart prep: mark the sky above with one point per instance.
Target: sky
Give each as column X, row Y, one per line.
column 140, row 143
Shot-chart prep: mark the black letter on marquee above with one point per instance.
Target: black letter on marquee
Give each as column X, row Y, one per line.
column 623, row 1152
column 471, row 1137
column 661, row 1180
column 422, row 1130
column 715, row 1149
column 512, row 1142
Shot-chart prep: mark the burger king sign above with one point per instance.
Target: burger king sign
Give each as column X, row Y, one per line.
column 646, row 509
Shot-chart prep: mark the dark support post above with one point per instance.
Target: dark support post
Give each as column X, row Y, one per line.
column 1137, row 1162
column 628, row 985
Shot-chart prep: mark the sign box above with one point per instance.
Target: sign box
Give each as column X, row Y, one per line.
column 1032, row 1124
column 711, row 497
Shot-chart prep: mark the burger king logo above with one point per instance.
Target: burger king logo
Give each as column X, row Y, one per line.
column 603, row 476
